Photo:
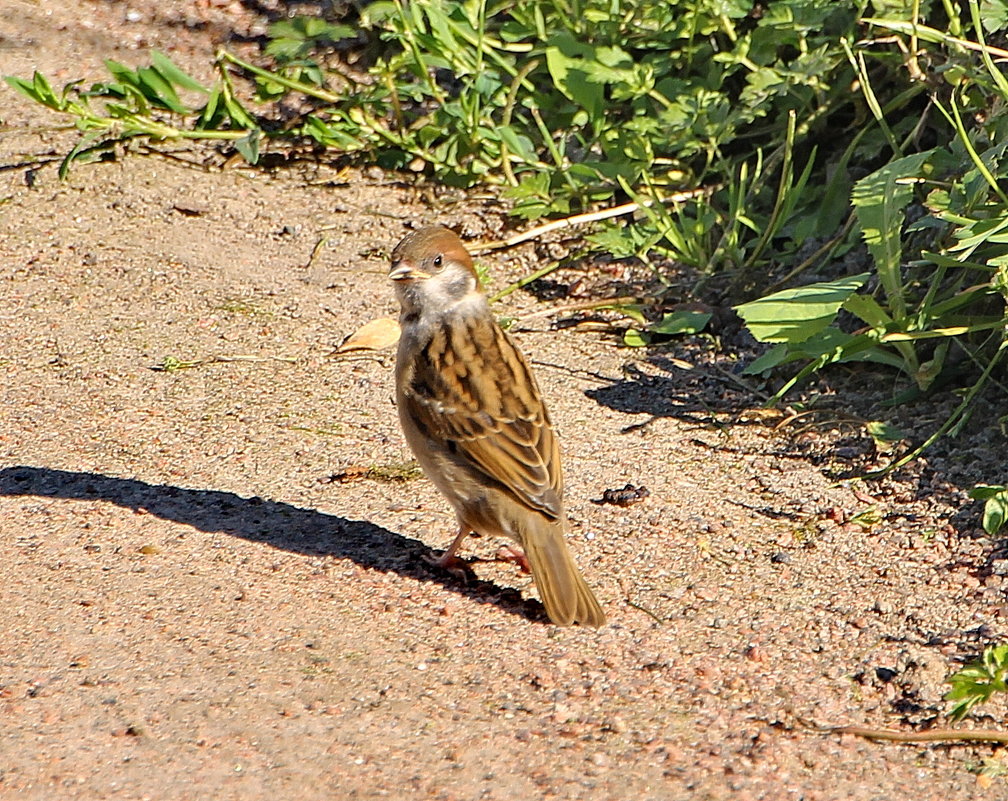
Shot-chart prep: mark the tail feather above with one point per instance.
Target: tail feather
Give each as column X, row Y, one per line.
column 565, row 594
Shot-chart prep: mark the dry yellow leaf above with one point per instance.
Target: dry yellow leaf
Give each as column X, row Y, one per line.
column 375, row 335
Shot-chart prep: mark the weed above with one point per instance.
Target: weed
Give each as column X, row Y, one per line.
column 978, row 681
column 568, row 106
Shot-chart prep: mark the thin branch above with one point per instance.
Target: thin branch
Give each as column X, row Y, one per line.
column 929, row 736
column 171, row 364
column 323, row 241
column 933, row 34
column 528, row 279
column 586, row 305
column 578, row 219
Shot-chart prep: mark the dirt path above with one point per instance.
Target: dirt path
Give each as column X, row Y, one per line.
column 194, row 608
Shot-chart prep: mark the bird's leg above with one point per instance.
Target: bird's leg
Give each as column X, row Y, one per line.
column 449, row 561
column 512, row 553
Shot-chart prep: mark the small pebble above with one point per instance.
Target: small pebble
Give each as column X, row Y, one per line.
column 616, row 724
column 755, row 654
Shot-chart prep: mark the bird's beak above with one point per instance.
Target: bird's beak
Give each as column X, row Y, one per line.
column 406, row 271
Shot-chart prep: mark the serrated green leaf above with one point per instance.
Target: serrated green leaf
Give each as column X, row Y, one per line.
column 879, row 200
column 977, row 682
column 565, row 62
column 286, row 49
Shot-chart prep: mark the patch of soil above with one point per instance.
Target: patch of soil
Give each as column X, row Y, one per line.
column 193, row 607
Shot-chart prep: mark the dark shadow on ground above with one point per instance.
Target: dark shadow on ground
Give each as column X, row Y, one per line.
column 280, row 525
column 826, row 428
column 709, row 394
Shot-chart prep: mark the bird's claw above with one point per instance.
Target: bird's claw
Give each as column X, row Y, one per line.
column 515, row 555
column 451, row 564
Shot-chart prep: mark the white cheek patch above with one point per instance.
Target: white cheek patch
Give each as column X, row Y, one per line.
column 435, row 297
column 439, row 301
column 433, row 300
column 473, row 301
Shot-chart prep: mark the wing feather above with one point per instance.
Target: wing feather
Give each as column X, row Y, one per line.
column 471, row 387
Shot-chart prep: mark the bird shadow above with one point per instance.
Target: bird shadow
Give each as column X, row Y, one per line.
column 280, row 525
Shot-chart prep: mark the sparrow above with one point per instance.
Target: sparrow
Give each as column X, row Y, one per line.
column 472, row 413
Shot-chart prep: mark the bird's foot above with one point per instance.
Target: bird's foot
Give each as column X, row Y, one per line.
column 451, row 564
column 514, row 554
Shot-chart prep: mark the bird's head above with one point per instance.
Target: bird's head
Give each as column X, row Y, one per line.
column 432, row 269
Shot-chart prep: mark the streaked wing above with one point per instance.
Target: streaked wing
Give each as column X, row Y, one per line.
column 472, row 387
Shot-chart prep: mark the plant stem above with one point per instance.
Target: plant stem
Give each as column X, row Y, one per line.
column 288, row 83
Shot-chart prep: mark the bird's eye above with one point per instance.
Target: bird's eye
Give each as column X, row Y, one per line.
column 437, row 260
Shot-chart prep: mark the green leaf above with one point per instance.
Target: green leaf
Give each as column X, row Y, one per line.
column 776, row 356
column 681, row 322
column 879, row 200
column 884, row 433
column 978, row 233
column 248, row 146
column 624, row 242
column 210, row 115
column 122, row 73
column 995, row 497
column 159, row 91
column 532, row 197
column 236, row 112
column 994, row 14
column 866, row 308
column 296, row 38
column 80, row 152
column 977, row 682
column 635, row 311
column 829, row 346
column 38, row 89
column 636, row 339
column 171, row 72
column 25, row 87
column 518, row 144
column 566, row 59
column 794, row 315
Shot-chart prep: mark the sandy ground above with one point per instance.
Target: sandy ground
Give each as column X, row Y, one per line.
column 194, row 606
